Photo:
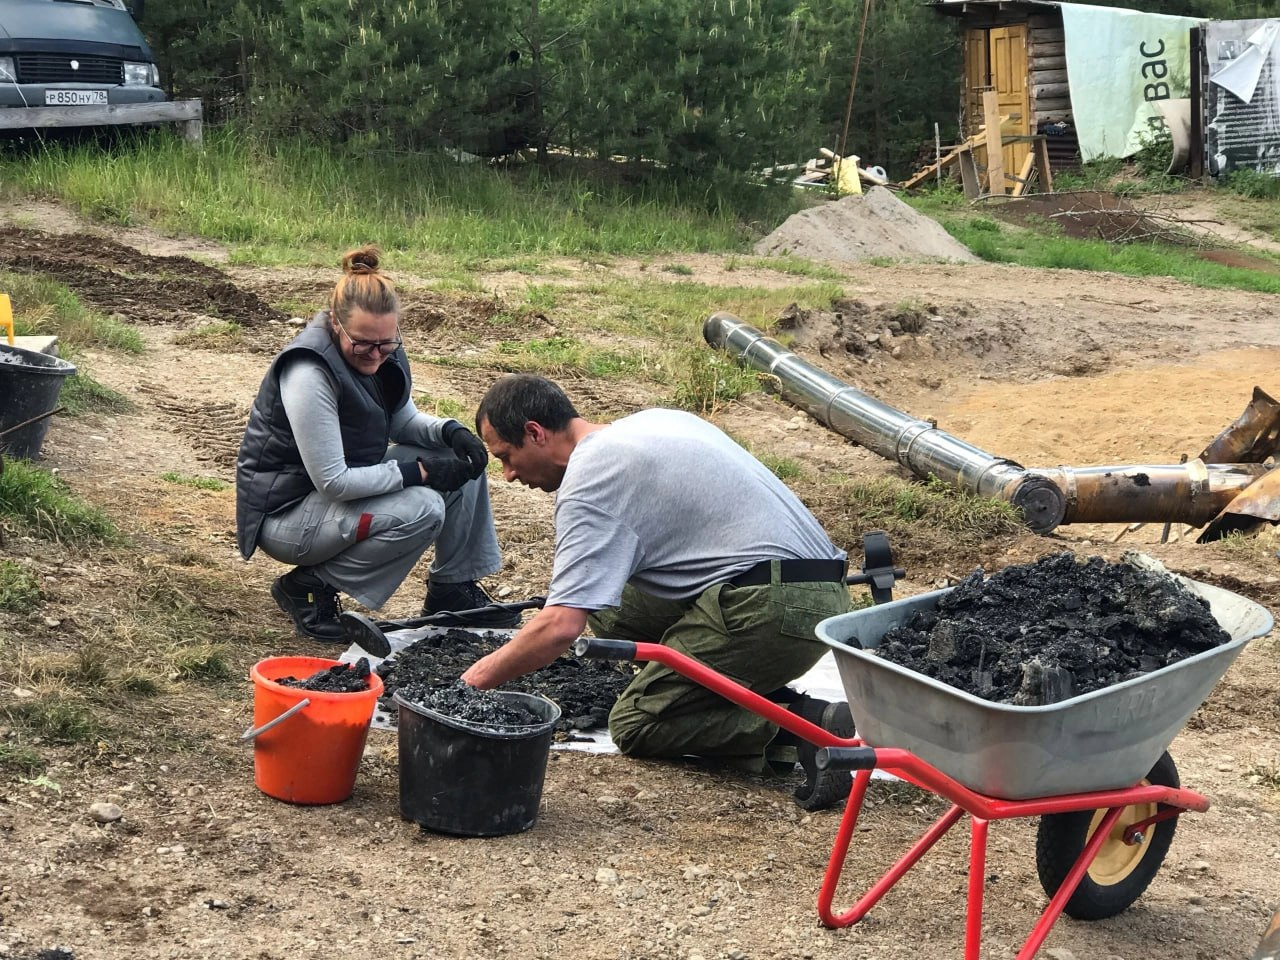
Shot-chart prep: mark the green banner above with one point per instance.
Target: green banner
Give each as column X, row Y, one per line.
column 1121, row 65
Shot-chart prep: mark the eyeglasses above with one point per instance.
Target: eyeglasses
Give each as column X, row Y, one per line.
column 363, row 348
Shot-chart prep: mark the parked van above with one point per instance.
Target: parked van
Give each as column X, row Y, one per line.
column 74, row 53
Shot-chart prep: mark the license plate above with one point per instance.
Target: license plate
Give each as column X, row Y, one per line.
column 73, row 98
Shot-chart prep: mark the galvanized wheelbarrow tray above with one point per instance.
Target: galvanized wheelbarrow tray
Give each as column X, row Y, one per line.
column 1097, row 848
column 1102, row 740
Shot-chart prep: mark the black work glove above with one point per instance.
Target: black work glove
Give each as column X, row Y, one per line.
column 466, row 445
column 446, row 473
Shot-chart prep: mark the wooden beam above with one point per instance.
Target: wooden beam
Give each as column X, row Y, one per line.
column 1024, row 177
column 968, row 174
column 995, row 151
column 1040, row 150
column 22, row 118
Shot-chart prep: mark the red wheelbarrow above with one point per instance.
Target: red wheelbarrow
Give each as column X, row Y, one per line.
column 1095, row 768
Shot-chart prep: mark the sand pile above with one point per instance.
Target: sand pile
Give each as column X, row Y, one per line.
column 875, row 224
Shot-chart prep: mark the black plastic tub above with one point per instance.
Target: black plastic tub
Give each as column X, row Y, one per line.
column 470, row 779
column 29, row 386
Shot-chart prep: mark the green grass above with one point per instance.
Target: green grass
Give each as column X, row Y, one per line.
column 794, row 267
column 44, row 306
column 82, row 394
column 57, row 717
column 20, row 760
column 1250, row 183
column 297, row 202
column 212, row 336
column 447, row 407
column 1006, row 244
column 42, row 504
column 556, row 356
column 198, row 483
column 892, row 504
column 19, row 590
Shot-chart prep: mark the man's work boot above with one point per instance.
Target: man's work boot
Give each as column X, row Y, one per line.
column 311, row 604
column 468, row 595
column 822, row 788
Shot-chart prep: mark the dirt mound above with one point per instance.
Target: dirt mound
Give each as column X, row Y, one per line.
column 114, row 278
column 876, row 224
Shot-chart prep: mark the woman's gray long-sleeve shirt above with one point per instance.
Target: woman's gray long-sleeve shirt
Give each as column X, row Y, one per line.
column 310, row 397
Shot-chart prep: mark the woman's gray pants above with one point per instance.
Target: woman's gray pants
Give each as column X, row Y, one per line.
column 365, row 548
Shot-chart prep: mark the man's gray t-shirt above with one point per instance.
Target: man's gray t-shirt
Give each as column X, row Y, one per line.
column 670, row 503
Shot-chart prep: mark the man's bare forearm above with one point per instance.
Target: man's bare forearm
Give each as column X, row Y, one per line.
column 541, row 640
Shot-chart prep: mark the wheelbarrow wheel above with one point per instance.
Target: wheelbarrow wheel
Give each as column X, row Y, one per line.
column 1121, row 872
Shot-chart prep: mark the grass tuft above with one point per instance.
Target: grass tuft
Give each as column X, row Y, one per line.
column 198, row 483
column 44, row 306
column 19, row 591
column 711, row 380
column 42, row 504
column 57, row 717
column 20, row 760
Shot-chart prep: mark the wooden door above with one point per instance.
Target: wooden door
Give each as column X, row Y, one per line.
column 977, row 77
column 1007, row 49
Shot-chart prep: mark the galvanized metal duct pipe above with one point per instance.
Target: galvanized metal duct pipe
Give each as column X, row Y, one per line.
column 1191, row 493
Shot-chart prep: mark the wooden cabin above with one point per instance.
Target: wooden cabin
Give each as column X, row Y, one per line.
column 1017, row 48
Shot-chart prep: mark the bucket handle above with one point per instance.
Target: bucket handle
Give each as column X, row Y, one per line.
column 256, row 731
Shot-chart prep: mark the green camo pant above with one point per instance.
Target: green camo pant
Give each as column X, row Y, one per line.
column 761, row 636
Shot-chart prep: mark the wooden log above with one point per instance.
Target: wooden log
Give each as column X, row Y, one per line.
column 1044, row 78
column 1054, row 107
column 1048, row 63
column 1047, row 34
column 1042, row 90
column 1047, row 49
column 21, row 118
column 995, row 154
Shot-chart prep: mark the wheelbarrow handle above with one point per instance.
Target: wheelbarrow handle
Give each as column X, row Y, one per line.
column 253, row 732
column 845, row 758
column 600, row 649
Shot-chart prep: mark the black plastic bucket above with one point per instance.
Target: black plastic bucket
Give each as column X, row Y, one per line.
column 469, row 779
column 29, row 386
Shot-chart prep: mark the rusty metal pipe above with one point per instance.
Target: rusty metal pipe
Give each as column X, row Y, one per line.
column 1190, row 493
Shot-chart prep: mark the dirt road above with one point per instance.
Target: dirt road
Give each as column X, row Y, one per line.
column 628, row 859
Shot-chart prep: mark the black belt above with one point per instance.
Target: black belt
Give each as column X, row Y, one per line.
column 792, row 571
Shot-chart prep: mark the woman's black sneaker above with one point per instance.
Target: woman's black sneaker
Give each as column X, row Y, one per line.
column 468, row 596
column 311, row 604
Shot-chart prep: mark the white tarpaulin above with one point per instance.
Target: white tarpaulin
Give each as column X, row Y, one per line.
column 1120, row 65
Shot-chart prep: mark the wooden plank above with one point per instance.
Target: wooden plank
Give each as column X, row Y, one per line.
column 1024, row 176
column 1040, row 149
column 969, row 175
column 21, row 118
column 995, row 151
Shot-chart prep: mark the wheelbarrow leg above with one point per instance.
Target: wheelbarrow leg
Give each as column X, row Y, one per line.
column 977, row 884
column 1054, row 910
column 840, row 850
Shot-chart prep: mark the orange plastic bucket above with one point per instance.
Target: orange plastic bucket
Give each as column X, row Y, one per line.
column 312, row 756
